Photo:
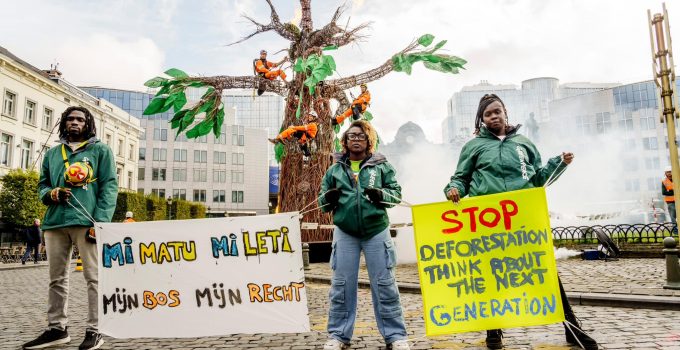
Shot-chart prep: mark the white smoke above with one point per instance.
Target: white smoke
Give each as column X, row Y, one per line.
column 564, row 253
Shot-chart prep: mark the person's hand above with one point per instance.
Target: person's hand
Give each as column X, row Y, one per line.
column 453, row 195
column 567, row 157
column 60, row 195
column 90, row 235
column 374, row 195
column 332, row 196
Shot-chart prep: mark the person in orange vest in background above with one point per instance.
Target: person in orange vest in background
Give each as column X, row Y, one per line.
column 668, row 194
column 358, row 107
column 304, row 133
column 128, row 217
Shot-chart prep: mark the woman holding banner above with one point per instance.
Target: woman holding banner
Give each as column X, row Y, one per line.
column 358, row 188
column 501, row 160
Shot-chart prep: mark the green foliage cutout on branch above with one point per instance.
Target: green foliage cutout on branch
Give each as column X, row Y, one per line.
column 172, row 95
column 403, row 62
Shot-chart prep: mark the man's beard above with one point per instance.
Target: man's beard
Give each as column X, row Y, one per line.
column 75, row 134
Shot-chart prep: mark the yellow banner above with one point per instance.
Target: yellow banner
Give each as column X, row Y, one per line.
column 487, row 263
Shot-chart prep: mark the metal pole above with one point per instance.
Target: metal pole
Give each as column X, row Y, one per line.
column 672, row 265
column 667, row 100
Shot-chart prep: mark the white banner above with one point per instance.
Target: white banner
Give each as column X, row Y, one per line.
column 206, row 277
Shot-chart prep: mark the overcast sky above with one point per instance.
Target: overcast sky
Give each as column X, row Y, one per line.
column 121, row 44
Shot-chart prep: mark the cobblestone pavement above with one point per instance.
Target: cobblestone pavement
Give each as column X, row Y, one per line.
column 23, row 295
column 624, row 276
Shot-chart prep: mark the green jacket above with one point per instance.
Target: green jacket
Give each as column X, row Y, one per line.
column 489, row 165
column 98, row 198
column 355, row 214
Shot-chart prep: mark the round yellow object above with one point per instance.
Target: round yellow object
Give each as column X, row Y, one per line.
column 78, row 174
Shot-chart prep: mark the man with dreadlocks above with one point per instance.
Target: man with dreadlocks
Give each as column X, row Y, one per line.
column 358, row 107
column 501, row 160
column 79, row 186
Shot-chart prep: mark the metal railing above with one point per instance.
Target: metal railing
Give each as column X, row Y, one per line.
column 621, row 234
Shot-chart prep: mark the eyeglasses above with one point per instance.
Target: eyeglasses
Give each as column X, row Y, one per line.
column 357, row 137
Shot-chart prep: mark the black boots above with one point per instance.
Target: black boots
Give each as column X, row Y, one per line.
column 575, row 335
column 494, row 339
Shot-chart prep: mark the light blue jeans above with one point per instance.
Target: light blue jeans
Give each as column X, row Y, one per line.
column 381, row 258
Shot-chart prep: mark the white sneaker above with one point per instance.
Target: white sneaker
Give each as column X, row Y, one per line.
column 334, row 344
column 400, row 345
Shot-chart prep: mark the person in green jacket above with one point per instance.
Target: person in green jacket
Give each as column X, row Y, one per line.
column 499, row 160
column 79, row 186
column 357, row 189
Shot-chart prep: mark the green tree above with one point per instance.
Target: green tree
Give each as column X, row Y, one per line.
column 19, row 201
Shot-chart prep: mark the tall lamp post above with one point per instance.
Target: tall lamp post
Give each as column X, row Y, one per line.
column 169, row 208
column 664, row 77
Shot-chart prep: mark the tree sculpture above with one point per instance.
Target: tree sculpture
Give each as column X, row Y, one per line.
column 309, row 89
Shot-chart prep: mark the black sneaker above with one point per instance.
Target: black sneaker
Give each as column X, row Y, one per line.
column 494, row 339
column 93, row 340
column 50, row 337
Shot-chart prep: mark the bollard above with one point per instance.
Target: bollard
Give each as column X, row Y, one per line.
column 672, row 264
column 305, row 256
column 79, row 265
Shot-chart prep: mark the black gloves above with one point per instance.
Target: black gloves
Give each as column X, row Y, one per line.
column 60, row 194
column 332, row 196
column 374, row 195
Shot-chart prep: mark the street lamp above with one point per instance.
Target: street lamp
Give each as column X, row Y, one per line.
column 169, row 208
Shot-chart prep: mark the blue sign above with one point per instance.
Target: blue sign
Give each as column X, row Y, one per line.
column 273, row 179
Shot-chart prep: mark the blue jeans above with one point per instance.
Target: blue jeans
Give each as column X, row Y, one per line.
column 27, row 254
column 381, row 258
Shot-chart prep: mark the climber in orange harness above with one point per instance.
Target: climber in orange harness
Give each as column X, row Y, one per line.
column 263, row 68
column 303, row 133
column 358, row 107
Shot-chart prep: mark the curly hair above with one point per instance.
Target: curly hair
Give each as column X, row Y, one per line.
column 90, row 128
column 484, row 102
column 367, row 129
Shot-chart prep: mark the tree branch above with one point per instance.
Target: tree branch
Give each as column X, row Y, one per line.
column 332, row 34
column 284, row 30
column 343, row 101
column 365, row 77
column 306, row 21
column 224, row 82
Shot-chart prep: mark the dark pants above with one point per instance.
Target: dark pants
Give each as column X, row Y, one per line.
column 27, row 255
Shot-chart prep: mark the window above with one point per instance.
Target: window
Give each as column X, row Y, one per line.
column 121, row 148
column 647, row 119
column 653, row 184
column 160, row 134
column 219, row 157
column 6, row 149
column 158, row 174
column 219, row 176
column 222, row 139
column 199, row 195
column 29, row 112
column 140, row 174
column 650, row 143
column 236, row 177
column 626, row 122
column 119, row 175
column 180, row 155
column 142, row 153
column 26, row 153
column 630, row 164
column 200, row 156
column 48, row 114
column 9, row 104
column 158, row 192
column 142, row 135
column 652, row 163
column 200, row 175
column 140, row 191
column 603, row 122
column 632, row 185
column 160, row 154
column 179, row 174
column 107, row 139
column 131, row 154
column 238, row 135
column 237, row 196
column 179, row 194
column 201, row 139
column 237, row 158
column 219, row 196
